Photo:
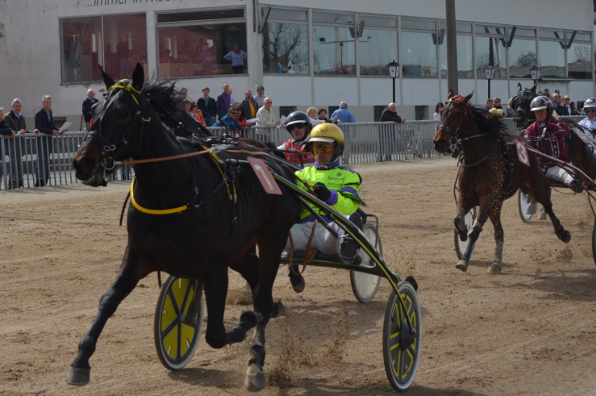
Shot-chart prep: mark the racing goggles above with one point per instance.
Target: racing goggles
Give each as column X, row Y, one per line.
column 290, row 128
column 319, row 147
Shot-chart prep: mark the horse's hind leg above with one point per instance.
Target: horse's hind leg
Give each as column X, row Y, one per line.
column 542, row 194
column 127, row 279
column 495, row 218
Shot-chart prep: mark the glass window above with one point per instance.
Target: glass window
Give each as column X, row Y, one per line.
column 552, row 59
column 287, row 15
column 202, row 50
column 325, row 17
column 492, row 30
column 524, row 32
column 552, row 34
column 419, row 24
column 459, row 27
column 491, row 51
column 465, row 60
column 201, row 15
column 334, row 50
column 419, row 55
column 378, row 21
column 285, row 48
column 579, row 56
column 81, row 49
column 580, row 36
column 522, row 56
column 125, row 44
column 378, row 48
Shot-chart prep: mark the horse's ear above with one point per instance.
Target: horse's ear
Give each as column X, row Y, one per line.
column 107, row 80
column 138, row 77
column 533, row 90
column 468, row 97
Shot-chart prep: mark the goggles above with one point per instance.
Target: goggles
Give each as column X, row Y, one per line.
column 320, row 147
column 290, row 128
column 591, row 110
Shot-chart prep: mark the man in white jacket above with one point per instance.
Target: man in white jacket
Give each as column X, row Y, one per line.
column 266, row 115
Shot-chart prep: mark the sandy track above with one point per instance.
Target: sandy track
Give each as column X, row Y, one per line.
column 530, row 330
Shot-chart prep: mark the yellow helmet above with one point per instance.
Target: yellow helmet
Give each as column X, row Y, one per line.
column 328, row 133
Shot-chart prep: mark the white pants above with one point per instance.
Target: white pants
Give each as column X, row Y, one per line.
column 322, row 241
column 554, row 172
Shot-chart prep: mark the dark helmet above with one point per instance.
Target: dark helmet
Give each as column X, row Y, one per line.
column 298, row 118
column 542, row 102
column 590, row 103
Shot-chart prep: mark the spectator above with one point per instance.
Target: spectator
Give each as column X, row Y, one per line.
column 387, row 133
column 122, row 54
column 241, row 115
column 250, row 105
column 566, row 108
column 44, row 123
column 87, row 104
column 497, row 103
column 16, row 122
column 236, row 56
column 343, row 114
column 223, row 101
column 206, row 58
column 260, row 96
column 187, row 106
column 557, row 103
column 322, row 115
column 510, row 109
column 438, row 108
column 573, row 108
column 489, row 104
column 184, row 92
column 312, row 112
column 229, row 120
column 197, row 114
column 546, row 93
column 266, row 115
column 208, row 106
column 7, row 132
column 450, row 93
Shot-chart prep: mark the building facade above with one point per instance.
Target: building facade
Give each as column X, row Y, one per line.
column 311, row 53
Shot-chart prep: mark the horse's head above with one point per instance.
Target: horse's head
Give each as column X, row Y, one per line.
column 115, row 134
column 521, row 104
column 453, row 125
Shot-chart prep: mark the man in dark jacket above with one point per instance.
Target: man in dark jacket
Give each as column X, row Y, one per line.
column 387, row 135
column 87, row 105
column 7, row 132
column 44, row 122
column 16, row 122
column 208, row 106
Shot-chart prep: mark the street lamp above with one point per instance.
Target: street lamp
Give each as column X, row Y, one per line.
column 535, row 73
column 489, row 73
column 393, row 73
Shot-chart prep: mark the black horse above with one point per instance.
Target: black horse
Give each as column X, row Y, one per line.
column 213, row 229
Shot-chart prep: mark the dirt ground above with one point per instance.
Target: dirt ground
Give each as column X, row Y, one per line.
column 528, row 331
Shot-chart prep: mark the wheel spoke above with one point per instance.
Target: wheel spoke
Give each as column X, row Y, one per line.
column 170, row 327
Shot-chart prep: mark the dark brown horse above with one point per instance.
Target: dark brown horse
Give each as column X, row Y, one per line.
column 490, row 173
column 222, row 212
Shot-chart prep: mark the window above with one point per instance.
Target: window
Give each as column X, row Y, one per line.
column 378, row 47
column 334, row 45
column 286, row 110
column 465, row 58
column 421, row 112
column 332, row 109
column 522, row 52
column 552, row 59
column 285, row 43
column 84, row 47
column 378, row 112
column 419, row 49
column 491, row 50
column 579, row 57
column 202, row 43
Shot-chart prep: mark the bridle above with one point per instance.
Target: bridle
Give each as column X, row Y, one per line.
column 454, row 134
column 111, row 151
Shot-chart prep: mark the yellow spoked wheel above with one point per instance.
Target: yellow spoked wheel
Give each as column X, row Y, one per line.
column 178, row 321
column 401, row 346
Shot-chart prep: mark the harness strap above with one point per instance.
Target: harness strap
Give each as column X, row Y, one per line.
column 481, row 160
column 153, row 211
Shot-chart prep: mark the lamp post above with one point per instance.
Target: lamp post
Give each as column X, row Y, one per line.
column 535, row 73
column 489, row 73
column 394, row 73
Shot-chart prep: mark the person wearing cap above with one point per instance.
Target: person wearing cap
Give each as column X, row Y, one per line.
column 299, row 126
column 589, row 123
column 333, row 184
column 547, row 134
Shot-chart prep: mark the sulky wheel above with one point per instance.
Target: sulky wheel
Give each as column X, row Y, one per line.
column 460, row 246
column 594, row 241
column 401, row 347
column 178, row 321
column 365, row 286
column 523, row 200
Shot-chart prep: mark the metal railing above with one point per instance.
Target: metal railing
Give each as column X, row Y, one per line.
column 36, row 160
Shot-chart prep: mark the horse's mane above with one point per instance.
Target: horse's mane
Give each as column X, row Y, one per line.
column 168, row 103
column 488, row 123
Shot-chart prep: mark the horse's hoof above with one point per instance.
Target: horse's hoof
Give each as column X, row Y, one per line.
column 250, row 318
column 298, row 284
column 462, row 265
column 565, row 236
column 278, row 309
column 78, row 376
column 494, row 269
column 463, row 236
column 255, row 378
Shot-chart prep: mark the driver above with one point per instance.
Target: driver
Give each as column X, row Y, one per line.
column 333, row 184
column 547, row 134
column 589, row 123
column 299, row 126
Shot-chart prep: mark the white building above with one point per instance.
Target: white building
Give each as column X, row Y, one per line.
column 305, row 53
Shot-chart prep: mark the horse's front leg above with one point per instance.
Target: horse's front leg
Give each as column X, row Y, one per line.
column 482, row 216
column 129, row 275
column 463, row 207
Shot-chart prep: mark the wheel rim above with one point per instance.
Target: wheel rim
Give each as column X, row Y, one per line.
column 402, row 350
column 524, row 202
column 179, row 321
column 469, row 222
column 365, row 286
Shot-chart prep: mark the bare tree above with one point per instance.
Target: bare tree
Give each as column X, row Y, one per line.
column 285, row 47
